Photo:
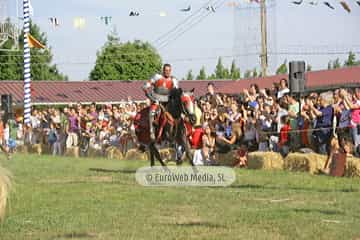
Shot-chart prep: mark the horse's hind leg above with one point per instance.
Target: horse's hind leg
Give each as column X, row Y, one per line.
column 187, row 146
column 152, row 160
column 155, row 152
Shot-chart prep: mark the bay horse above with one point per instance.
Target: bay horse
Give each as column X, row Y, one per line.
column 173, row 124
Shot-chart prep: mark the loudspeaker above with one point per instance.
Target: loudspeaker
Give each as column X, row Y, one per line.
column 6, row 103
column 297, row 76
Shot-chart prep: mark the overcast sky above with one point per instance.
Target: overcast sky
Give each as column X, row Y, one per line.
column 310, row 28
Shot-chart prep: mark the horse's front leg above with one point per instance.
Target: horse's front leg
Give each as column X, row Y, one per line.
column 152, row 160
column 188, row 152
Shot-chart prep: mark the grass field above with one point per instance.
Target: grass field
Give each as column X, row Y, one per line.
column 65, row 198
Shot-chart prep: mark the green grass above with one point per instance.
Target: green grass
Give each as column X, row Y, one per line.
column 65, row 198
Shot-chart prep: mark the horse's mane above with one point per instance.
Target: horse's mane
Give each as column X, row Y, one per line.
column 174, row 104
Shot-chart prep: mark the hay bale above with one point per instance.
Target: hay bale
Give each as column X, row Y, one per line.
column 312, row 163
column 46, row 149
column 352, row 167
column 167, row 154
column 226, row 159
column 72, row 152
column 134, row 154
column 95, row 153
column 22, row 148
column 114, row 153
column 35, row 148
column 265, row 160
column 5, row 186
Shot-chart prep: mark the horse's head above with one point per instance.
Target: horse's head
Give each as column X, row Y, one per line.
column 188, row 103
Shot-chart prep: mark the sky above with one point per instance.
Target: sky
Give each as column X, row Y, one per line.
column 302, row 29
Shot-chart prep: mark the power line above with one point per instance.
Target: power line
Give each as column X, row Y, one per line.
column 181, row 23
column 315, row 50
column 164, row 44
column 189, row 59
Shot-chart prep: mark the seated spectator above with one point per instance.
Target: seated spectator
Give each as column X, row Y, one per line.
column 241, row 156
column 206, row 155
column 235, row 137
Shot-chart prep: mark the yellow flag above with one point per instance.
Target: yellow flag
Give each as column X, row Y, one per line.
column 33, row 42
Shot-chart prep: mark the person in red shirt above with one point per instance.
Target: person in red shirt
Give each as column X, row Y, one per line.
column 284, row 140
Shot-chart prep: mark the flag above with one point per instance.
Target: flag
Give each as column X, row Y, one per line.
column 79, row 22
column 345, row 6
column 54, row 21
column 33, row 42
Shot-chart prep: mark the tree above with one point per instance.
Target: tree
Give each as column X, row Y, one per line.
column 309, row 68
column 255, row 73
column 125, row 61
column 330, row 65
column 11, row 62
column 247, row 74
column 226, row 74
column 282, row 69
column 202, row 74
column 189, row 75
column 351, row 60
column 219, row 71
column 212, row 77
column 234, row 71
column 336, row 64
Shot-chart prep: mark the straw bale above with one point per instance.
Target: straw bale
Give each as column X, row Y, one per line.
column 265, row 160
column 352, row 167
column 312, row 163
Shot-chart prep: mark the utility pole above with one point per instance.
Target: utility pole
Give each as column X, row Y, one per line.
column 264, row 54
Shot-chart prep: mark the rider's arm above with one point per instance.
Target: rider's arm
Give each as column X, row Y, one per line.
column 147, row 85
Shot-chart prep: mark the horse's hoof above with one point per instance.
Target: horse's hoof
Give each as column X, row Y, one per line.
column 166, row 169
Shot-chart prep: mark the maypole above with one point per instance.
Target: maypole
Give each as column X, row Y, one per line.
column 27, row 68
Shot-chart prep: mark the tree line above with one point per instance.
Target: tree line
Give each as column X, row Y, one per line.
column 118, row 60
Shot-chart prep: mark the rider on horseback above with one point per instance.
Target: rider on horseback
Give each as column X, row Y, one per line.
column 157, row 90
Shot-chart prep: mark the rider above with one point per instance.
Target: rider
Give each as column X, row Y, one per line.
column 159, row 87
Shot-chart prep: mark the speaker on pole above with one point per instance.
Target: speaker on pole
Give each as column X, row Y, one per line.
column 6, row 105
column 297, row 76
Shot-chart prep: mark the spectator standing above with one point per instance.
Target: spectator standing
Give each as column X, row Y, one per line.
column 323, row 126
column 283, row 88
column 354, row 104
column 73, row 129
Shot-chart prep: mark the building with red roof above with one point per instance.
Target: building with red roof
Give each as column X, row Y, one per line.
column 61, row 92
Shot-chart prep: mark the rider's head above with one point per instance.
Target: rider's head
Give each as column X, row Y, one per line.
column 167, row 70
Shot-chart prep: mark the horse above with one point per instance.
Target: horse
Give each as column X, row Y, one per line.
column 173, row 124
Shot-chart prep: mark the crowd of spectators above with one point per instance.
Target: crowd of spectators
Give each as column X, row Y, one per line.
column 254, row 120
column 83, row 126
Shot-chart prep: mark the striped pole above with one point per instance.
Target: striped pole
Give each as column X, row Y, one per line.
column 27, row 68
